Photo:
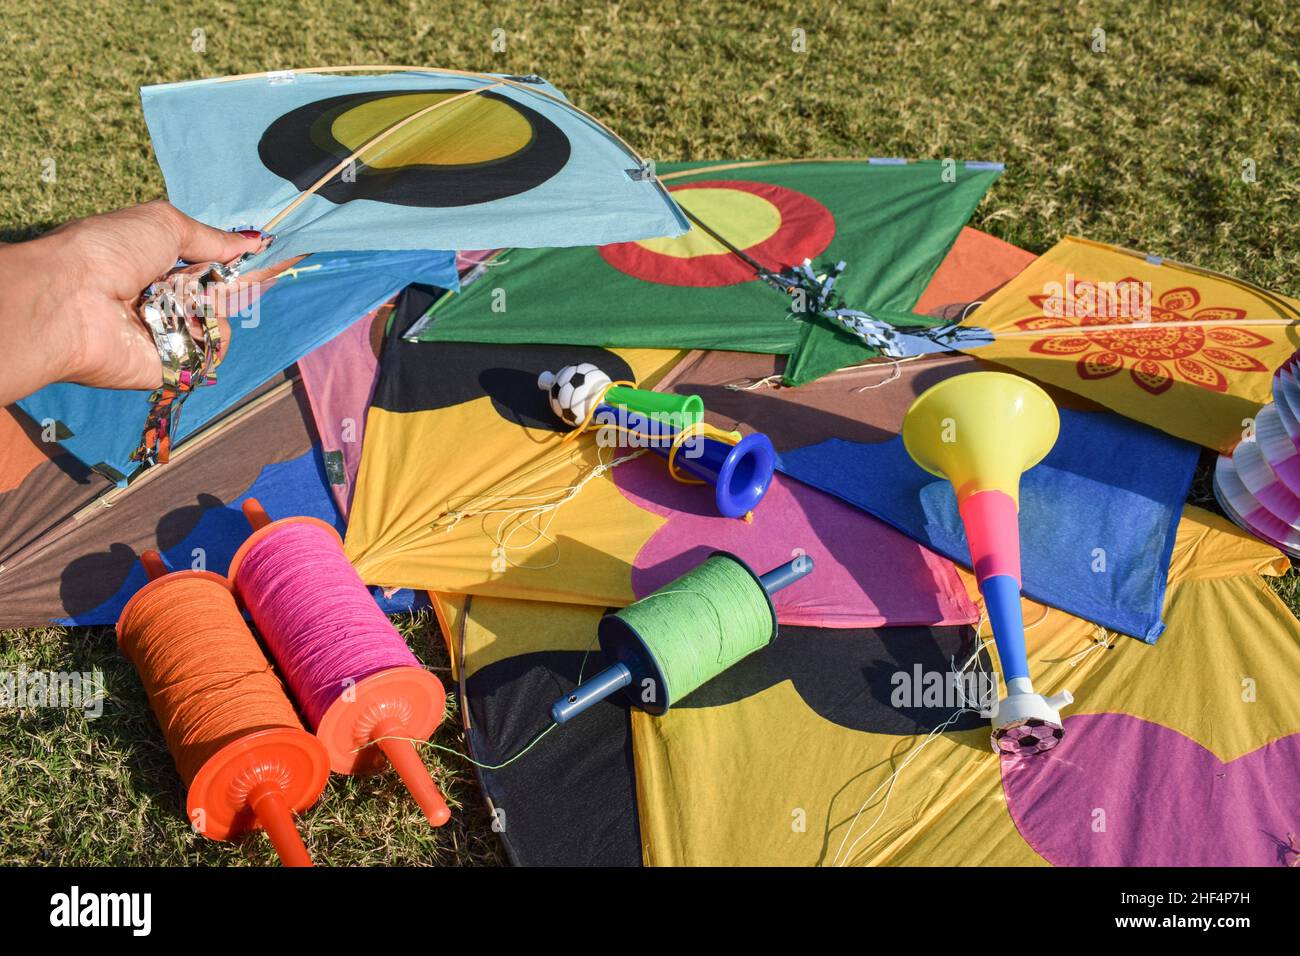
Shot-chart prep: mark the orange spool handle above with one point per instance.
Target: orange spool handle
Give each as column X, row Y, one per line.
column 398, row 748
column 266, row 800
column 267, row 803
column 255, row 514
column 406, row 761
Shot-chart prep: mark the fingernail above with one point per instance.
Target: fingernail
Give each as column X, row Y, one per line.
column 251, row 233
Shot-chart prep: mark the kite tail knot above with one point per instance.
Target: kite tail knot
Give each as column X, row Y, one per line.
column 815, row 294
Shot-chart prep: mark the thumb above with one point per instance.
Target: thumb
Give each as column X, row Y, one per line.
column 199, row 243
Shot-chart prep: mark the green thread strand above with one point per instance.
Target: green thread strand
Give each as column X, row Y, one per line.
column 466, row 757
column 695, row 627
column 702, row 623
column 489, row 766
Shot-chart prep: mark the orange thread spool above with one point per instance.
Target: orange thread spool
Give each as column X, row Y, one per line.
column 236, row 739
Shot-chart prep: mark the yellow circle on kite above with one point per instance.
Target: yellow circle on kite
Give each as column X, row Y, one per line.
column 475, row 129
column 740, row 217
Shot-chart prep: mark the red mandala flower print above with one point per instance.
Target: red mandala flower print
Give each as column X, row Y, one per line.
column 1092, row 328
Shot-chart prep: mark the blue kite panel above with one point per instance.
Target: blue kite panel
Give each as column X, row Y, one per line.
column 1098, row 515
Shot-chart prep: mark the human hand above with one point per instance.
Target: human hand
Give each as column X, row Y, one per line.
column 67, row 304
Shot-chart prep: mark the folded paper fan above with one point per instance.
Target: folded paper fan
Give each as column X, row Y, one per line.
column 1263, row 483
column 1277, row 447
column 1243, row 508
column 1286, row 396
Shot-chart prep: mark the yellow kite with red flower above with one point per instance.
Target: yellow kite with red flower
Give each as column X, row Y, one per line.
column 1184, row 349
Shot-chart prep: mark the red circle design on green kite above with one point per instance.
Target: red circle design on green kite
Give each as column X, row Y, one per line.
column 804, row 230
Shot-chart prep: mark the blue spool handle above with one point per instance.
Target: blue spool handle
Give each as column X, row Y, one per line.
column 786, row 574
column 598, row 688
column 619, row 675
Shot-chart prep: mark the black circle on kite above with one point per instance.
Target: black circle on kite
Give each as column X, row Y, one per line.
column 500, row 148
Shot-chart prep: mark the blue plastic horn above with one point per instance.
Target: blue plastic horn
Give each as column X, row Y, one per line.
column 635, row 657
column 740, row 473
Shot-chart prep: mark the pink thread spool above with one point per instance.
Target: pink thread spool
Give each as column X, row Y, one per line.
column 358, row 684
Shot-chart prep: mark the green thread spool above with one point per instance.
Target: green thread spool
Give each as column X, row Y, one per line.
column 686, row 633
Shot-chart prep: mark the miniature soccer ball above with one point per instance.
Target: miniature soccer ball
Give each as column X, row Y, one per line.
column 1033, row 736
column 573, row 390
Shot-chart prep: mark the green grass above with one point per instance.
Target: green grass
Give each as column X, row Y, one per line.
column 1142, row 145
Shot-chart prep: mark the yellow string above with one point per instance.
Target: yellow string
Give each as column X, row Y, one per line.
column 703, row 429
column 591, row 409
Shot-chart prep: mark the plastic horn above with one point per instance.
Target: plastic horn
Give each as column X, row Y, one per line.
column 636, row 659
column 740, row 473
column 981, row 431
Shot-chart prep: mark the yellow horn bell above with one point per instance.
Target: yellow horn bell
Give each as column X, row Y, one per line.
column 981, row 430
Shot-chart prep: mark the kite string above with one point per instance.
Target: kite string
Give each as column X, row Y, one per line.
column 701, row 428
column 889, row 782
column 684, row 435
column 507, row 762
column 592, row 406
column 536, row 518
column 1104, row 642
column 704, row 430
column 895, row 373
column 888, row 786
column 419, row 742
column 968, row 706
column 753, row 384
